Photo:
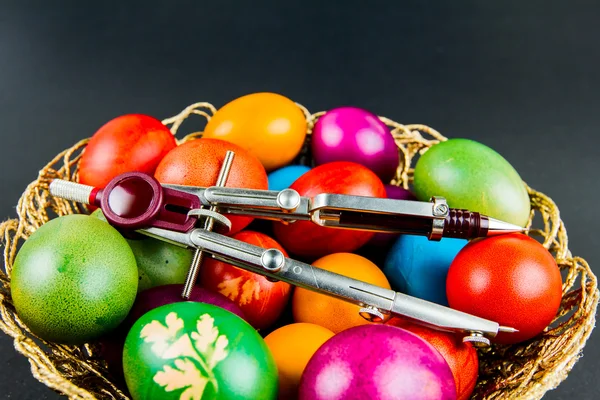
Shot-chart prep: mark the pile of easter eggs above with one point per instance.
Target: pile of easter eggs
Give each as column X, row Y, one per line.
column 78, row 280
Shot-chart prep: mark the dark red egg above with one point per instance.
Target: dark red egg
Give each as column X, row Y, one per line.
column 261, row 300
column 307, row 239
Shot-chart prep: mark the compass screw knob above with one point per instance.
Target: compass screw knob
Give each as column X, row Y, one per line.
column 288, row 199
column 477, row 339
column 272, row 260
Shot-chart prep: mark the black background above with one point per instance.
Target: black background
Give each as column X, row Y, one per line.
column 519, row 76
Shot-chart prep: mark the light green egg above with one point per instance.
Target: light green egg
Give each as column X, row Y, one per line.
column 472, row 176
column 74, row 280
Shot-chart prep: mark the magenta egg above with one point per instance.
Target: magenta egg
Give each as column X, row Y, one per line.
column 357, row 135
column 377, row 362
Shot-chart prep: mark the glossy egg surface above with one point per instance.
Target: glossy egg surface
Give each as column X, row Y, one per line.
column 377, row 362
column 472, row 176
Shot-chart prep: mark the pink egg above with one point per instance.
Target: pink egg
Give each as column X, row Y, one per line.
column 377, row 362
column 356, row 135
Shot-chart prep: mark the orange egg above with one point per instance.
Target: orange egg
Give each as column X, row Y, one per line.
column 292, row 347
column 329, row 312
column 198, row 163
column 268, row 125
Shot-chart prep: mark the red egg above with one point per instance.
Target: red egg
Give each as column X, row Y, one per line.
column 511, row 279
column 261, row 301
column 305, row 238
column 132, row 142
column 461, row 357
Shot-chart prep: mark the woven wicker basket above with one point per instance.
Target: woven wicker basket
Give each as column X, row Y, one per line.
column 524, row 371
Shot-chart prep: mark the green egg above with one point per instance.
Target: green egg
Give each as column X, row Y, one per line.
column 191, row 350
column 159, row 263
column 74, row 280
column 472, row 176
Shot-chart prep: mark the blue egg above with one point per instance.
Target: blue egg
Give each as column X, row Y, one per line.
column 418, row 266
column 284, row 177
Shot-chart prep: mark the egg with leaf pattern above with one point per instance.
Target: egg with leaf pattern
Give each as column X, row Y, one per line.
column 192, row 350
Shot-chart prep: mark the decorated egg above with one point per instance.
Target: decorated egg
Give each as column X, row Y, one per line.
column 198, row 163
column 284, row 177
column 268, row 125
column 74, row 280
column 261, row 300
column 392, row 192
column 327, row 311
column 461, row 357
column 292, row 346
column 192, row 350
column 309, row 240
column 510, row 279
column 472, row 176
column 357, row 135
column 111, row 346
column 418, row 266
column 377, row 362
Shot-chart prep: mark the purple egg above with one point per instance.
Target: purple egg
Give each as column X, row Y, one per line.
column 392, row 192
column 111, row 345
column 399, row 193
column 159, row 296
column 377, row 362
column 356, row 135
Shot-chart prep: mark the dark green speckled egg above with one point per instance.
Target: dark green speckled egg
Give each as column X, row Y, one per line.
column 472, row 176
column 159, row 263
column 74, row 280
